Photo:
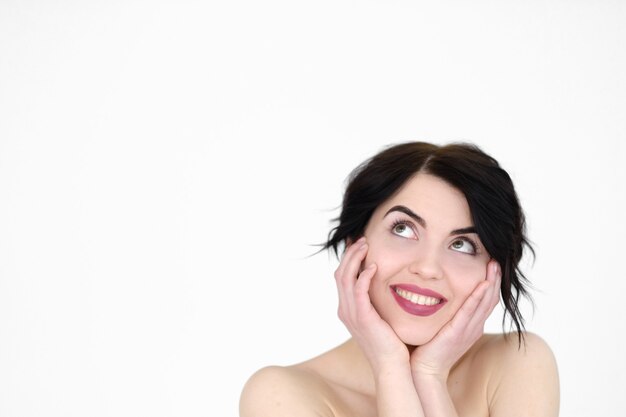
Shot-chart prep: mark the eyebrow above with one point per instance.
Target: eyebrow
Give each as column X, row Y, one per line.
column 422, row 222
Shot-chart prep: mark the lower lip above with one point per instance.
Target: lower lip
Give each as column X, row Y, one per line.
column 416, row 309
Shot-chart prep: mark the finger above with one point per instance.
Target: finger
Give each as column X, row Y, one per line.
column 497, row 285
column 362, row 286
column 347, row 255
column 463, row 316
column 355, row 245
column 352, row 265
column 490, row 299
column 346, row 277
column 480, row 291
column 350, row 274
column 494, row 276
column 348, row 248
column 346, row 308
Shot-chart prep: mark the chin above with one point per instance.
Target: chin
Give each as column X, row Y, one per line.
column 412, row 336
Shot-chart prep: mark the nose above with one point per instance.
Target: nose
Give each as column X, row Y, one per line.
column 427, row 265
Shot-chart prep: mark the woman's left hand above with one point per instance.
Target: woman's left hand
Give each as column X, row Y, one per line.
column 436, row 358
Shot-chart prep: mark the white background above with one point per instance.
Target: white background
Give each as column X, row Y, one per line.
column 166, row 165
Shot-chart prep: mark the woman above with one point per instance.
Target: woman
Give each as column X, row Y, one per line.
column 433, row 237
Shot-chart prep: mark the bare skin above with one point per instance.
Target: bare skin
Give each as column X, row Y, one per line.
column 493, row 378
column 422, row 236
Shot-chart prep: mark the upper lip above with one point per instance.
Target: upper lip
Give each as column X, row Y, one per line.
column 418, row 290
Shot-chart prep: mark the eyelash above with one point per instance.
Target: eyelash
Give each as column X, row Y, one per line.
column 404, row 223
column 471, row 242
column 412, row 227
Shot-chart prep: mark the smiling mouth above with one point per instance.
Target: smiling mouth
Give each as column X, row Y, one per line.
column 417, row 299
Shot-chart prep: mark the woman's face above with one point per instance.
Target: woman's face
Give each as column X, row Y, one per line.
column 428, row 255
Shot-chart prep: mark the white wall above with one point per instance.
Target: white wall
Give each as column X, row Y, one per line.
column 164, row 166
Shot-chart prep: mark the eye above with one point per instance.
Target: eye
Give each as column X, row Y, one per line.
column 464, row 245
column 403, row 228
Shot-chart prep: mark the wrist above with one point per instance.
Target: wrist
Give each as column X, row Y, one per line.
column 390, row 372
column 395, row 364
column 429, row 377
column 396, row 394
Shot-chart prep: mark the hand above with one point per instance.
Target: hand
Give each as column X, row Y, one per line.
column 380, row 344
column 437, row 357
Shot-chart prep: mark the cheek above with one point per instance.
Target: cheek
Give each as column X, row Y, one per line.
column 466, row 273
column 390, row 258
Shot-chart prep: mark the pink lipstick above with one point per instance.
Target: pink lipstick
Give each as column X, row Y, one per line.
column 417, row 301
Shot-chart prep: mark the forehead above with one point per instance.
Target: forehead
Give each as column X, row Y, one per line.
column 433, row 199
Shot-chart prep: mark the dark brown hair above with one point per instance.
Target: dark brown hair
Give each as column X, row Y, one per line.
column 493, row 202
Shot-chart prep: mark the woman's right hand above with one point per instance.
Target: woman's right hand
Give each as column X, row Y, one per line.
column 387, row 354
column 380, row 344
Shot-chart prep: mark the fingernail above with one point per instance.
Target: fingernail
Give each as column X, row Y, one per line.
column 371, row 266
column 361, row 239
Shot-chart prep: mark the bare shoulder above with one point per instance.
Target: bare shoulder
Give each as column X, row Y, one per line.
column 277, row 391
column 524, row 379
column 506, row 350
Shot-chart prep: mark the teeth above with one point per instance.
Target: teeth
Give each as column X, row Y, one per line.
column 417, row 298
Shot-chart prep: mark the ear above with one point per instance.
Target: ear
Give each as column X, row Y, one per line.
column 348, row 241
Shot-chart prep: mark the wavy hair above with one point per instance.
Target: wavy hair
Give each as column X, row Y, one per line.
column 493, row 202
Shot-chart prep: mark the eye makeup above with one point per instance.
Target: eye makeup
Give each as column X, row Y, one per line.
column 470, row 241
column 406, row 224
column 400, row 226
